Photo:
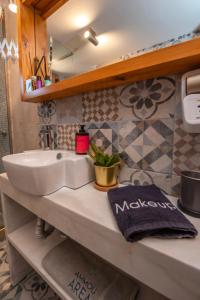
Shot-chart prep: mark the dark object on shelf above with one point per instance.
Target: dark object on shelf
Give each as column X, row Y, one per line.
column 190, row 193
column 47, row 80
column 38, row 82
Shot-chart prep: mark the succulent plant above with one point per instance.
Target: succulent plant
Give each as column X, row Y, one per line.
column 102, row 159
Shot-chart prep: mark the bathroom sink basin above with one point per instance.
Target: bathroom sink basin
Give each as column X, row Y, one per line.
column 44, row 172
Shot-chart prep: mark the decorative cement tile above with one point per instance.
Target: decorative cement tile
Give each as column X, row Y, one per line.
column 186, row 153
column 158, row 146
column 149, row 99
column 140, row 177
column 66, row 136
column 134, row 177
column 5, row 283
column 104, row 135
column 101, row 106
column 33, row 287
column 176, row 185
column 131, row 143
column 69, row 110
column 47, row 112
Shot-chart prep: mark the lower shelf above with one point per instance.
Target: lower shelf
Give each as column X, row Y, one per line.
column 33, row 250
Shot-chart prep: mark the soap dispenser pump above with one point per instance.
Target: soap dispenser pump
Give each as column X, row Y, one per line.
column 82, row 141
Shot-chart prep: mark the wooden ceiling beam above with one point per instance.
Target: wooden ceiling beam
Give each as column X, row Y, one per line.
column 29, row 2
column 45, row 7
column 52, row 7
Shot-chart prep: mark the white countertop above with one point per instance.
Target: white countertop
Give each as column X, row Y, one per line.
column 172, row 267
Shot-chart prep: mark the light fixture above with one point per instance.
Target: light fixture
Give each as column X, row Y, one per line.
column 13, row 6
column 102, row 39
column 81, row 21
column 91, row 36
column 86, row 34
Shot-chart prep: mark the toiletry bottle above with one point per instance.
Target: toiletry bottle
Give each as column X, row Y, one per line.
column 82, row 141
column 38, row 82
column 34, row 80
column 47, row 80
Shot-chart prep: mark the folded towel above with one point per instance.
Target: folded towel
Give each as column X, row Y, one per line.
column 82, row 275
column 143, row 211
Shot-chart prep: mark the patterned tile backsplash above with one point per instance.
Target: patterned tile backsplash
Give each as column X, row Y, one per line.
column 131, row 143
column 47, row 112
column 100, row 106
column 105, row 135
column 66, row 136
column 158, row 145
column 186, row 150
column 141, row 120
column 148, row 99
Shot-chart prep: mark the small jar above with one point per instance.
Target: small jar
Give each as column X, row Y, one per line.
column 34, row 81
column 38, row 82
column 47, row 80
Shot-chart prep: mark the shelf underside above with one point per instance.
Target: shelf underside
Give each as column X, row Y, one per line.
column 33, row 250
column 174, row 59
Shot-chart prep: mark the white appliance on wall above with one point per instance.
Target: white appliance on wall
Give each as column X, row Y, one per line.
column 190, row 91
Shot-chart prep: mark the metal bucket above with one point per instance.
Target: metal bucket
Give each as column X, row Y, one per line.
column 190, row 193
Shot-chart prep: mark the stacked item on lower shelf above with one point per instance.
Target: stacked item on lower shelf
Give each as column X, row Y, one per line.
column 84, row 276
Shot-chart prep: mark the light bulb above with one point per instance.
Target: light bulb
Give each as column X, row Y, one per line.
column 90, row 34
column 102, row 39
column 13, row 7
column 81, row 21
column 87, row 34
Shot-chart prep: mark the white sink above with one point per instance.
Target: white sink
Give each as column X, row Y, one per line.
column 44, row 172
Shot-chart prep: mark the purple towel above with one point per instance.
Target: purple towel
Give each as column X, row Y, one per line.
column 143, row 211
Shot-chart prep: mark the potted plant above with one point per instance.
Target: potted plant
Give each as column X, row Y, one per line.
column 106, row 167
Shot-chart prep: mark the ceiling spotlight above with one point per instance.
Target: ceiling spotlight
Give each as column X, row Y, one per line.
column 87, row 34
column 13, row 6
column 90, row 34
column 102, row 39
column 81, row 21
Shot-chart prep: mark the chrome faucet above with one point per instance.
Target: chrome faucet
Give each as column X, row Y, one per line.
column 47, row 135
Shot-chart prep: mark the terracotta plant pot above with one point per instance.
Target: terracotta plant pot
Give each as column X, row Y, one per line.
column 107, row 176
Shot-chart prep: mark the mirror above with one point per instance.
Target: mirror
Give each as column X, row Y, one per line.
column 122, row 29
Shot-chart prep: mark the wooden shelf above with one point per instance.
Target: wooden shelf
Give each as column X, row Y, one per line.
column 174, row 59
column 33, row 250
